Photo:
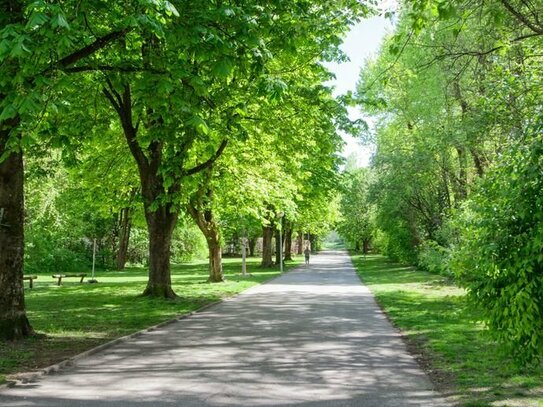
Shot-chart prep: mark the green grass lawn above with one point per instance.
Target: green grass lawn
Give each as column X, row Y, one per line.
column 75, row 317
column 450, row 344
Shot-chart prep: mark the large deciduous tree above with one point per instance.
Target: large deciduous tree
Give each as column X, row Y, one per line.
column 458, row 150
column 39, row 39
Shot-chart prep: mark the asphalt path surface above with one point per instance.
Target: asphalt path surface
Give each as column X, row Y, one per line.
column 313, row 337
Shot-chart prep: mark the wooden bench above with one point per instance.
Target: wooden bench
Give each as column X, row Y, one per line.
column 30, row 279
column 61, row 276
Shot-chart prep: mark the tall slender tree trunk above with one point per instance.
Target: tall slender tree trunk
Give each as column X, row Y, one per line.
column 479, row 160
column 462, row 181
column 313, row 243
column 365, row 246
column 267, row 237
column 288, row 244
column 278, row 243
column 125, row 225
column 14, row 323
column 252, row 246
column 300, row 247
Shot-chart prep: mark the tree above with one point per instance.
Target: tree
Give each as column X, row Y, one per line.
column 457, row 154
column 38, row 40
column 357, row 223
column 200, row 207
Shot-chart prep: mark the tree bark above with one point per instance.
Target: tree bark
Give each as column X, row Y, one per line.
column 14, row 323
column 300, row 248
column 160, row 224
column 161, row 218
column 267, row 236
column 480, row 162
column 252, row 246
column 365, row 246
column 216, row 274
column 210, row 229
column 278, row 243
column 200, row 209
column 288, row 244
column 462, row 179
column 125, row 225
column 313, row 243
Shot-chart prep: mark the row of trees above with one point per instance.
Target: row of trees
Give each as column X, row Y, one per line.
column 211, row 110
column 456, row 182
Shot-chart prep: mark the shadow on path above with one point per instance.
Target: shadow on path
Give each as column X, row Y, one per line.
column 313, row 337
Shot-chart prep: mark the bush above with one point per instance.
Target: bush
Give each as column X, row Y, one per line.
column 53, row 252
column 434, row 258
column 499, row 258
column 188, row 243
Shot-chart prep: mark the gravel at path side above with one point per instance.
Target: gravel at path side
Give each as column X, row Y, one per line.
column 313, row 337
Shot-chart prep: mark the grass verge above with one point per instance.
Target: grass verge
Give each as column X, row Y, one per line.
column 76, row 317
column 443, row 333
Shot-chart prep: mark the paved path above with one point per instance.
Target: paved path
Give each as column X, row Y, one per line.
column 312, row 338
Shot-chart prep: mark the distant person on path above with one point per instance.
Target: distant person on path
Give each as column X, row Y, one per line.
column 306, row 253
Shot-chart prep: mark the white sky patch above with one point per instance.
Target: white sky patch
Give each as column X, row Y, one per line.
column 362, row 42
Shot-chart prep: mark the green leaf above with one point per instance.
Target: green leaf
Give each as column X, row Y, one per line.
column 59, row 21
column 8, row 113
column 199, row 124
column 37, row 19
column 170, row 8
column 223, row 68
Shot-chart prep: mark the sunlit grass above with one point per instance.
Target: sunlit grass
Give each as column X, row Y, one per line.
column 74, row 317
column 463, row 359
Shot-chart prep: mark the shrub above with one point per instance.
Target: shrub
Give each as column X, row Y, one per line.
column 499, row 258
column 434, row 258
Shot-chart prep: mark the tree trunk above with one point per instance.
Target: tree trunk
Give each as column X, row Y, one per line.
column 252, row 246
column 13, row 321
column 161, row 218
column 288, row 244
column 278, row 243
column 267, row 236
column 365, row 246
column 216, row 274
column 160, row 224
column 200, row 208
column 462, row 181
column 210, row 229
column 480, row 162
column 313, row 243
column 125, row 224
column 300, row 248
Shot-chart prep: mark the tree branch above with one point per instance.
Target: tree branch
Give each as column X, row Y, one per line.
column 523, row 19
column 98, row 44
column 101, row 68
column 209, row 162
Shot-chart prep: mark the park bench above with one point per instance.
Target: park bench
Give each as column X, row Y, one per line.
column 30, row 279
column 61, row 276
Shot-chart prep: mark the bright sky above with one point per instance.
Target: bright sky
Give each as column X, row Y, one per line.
column 361, row 43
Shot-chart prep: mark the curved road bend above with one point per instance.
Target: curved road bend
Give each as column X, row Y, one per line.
column 313, row 337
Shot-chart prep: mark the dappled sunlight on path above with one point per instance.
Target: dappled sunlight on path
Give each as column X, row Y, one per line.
column 313, row 337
